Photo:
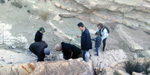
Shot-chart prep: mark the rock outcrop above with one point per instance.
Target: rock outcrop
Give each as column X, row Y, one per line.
column 71, row 67
column 119, row 67
column 9, row 57
column 128, row 21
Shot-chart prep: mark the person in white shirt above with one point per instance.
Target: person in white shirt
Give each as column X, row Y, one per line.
column 104, row 31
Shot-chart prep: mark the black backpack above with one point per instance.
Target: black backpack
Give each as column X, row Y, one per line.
column 106, row 29
column 103, row 30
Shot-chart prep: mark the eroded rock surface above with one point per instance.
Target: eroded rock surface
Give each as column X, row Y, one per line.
column 71, row 67
column 9, row 57
column 128, row 21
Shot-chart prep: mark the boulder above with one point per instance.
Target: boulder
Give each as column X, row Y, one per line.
column 107, row 71
column 120, row 72
column 57, row 18
column 134, row 73
column 71, row 67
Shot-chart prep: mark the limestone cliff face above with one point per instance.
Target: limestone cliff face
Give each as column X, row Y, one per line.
column 63, row 15
column 133, row 13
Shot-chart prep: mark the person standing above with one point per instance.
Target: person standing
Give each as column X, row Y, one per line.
column 97, row 42
column 104, row 31
column 39, row 35
column 86, row 42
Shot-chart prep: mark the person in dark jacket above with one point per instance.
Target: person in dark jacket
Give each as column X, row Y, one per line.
column 39, row 35
column 39, row 49
column 68, row 50
column 97, row 42
column 86, row 42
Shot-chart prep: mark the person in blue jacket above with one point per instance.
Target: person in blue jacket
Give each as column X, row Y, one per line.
column 86, row 43
column 97, row 42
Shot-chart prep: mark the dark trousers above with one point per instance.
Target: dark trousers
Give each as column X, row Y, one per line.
column 85, row 58
column 104, row 43
column 97, row 51
column 41, row 57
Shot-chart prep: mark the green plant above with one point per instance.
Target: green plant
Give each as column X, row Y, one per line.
column 2, row 1
column 131, row 66
column 147, row 66
column 97, row 71
column 17, row 4
column 45, row 15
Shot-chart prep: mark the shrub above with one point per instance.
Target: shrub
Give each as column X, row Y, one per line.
column 131, row 66
column 147, row 66
column 2, row 1
column 44, row 15
column 17, row 4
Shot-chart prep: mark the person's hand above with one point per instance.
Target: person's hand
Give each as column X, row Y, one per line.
column 93, row 39
column 78, row 36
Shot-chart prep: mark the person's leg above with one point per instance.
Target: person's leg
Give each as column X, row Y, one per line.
column 104, row 44
column 40, row 59
column 78, row 55
column 97, row 51
column 87, row 56
column 83, row 54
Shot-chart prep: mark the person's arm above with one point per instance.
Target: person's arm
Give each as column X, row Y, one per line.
column 41, row 57
column 105, row 34
column 94, row 39
column 97, row 31
column 78, row 36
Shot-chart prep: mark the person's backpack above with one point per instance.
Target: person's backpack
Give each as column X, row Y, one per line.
column 106, row 29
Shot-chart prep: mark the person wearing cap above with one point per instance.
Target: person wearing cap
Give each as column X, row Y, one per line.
column 68, row 50
column 39, row 49
column 39, row 35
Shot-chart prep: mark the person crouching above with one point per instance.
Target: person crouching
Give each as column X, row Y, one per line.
column 39, row 49
column 68, row 50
